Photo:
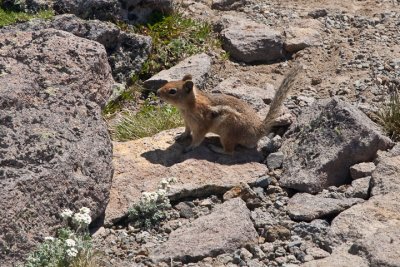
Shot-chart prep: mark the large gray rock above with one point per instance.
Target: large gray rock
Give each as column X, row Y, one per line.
column 327, row 139
column 132, row 11
column 386, row 177
column 251, row 42
column 339, row 258
column 255, row 96
column 306, row 207
column 226, row 229
column 55, row 151
column 126, row 51
column 382, row 249
column 363, row 220
column 199, row 66
column 141, row 164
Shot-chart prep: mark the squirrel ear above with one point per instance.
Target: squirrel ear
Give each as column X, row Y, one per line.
column 188, row 86
column 187, row 77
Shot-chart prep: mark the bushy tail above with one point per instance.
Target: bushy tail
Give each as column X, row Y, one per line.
column 280, row 96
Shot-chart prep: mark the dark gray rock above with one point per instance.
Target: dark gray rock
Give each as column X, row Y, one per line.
column 306, row 207
column 131, row 11
column 226, row 229
column 275, row 160
column 126, row 51
column 90, row 9
column 185, row 210
column 227, row 4
column 261, row 218
column 386, row 177
column 55, row 151
column 27, row 5
column 199, row 66
column 316, row 231
column 326, row 140
column 318, row 13
column 252, row 42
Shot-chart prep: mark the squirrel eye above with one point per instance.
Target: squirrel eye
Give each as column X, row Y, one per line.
column 172, row 91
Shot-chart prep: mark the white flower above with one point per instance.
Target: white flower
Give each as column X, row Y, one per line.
column 161, row 192
column 84, row 210
column 49, row 238
column 70, row 243
column 72, row 252
column 66, row 213
column 172, row 180
column 82, row 218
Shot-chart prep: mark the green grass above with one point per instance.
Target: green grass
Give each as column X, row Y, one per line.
column 175, row 38
column 149, row 120
column 10, row 17
column 389, row 117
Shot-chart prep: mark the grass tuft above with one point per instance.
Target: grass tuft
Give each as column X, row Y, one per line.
column 149, row 120
column 8, row 17
column 389, row 116
column 174, row 38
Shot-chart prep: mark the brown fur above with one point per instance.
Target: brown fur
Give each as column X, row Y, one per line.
column 231, row 118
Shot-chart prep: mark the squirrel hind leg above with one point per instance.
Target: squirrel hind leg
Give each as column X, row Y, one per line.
column 228, row 147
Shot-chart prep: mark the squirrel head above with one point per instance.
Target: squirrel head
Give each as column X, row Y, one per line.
column 178, row 93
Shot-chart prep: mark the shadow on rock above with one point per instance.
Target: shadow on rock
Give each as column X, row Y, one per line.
column 175, row 154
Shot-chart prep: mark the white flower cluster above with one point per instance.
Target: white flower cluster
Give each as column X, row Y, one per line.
column 49, row 238
column 72, row 252
column 166, row 183
column 66, row 213
column 82, row 218
column 70, row 242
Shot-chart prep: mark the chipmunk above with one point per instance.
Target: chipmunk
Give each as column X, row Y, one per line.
column 232, row 119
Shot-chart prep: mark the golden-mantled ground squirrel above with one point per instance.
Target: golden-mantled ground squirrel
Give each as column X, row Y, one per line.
column 232, row 119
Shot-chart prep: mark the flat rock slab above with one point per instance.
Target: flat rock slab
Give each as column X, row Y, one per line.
column 55, row 150
column 382, row 248
column 339, row 258
column 386, row 176
column 251, row 42
column 306, row 207
column 363, row 220
column 141, row 164
column 328, row 138
column 199, row 66
column 226, row 229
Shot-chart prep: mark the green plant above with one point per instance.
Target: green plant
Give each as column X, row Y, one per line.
column 389, row 116
column 149, row 120
column 174, row 38
column 71, row 248
column 10, row 17
column 152, row 206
